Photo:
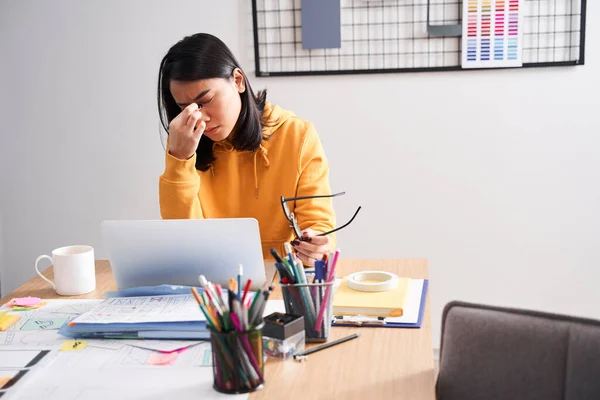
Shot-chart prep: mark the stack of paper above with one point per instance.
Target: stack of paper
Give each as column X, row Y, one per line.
column 366, row 312
column 389, row 303
column 144, row 317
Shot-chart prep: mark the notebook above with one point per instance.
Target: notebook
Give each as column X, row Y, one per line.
column 389, row 303
column 413, row 311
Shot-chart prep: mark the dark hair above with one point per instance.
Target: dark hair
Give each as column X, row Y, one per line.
column 204, row 56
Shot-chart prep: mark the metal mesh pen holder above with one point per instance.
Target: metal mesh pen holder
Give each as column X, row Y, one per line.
column 313, row 302
column 238, row 364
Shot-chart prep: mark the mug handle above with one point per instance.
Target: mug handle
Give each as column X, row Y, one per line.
column 40, row 274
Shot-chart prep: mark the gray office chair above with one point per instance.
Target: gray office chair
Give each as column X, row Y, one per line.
column 495, row 353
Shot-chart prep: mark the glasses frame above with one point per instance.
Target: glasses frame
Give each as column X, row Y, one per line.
column 289, row 215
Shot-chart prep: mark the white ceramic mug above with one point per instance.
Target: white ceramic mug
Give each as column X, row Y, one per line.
column 74, row 270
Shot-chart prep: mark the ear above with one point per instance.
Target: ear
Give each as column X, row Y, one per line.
column 238, row 80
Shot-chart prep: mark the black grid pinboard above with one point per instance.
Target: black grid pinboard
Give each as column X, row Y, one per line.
column 392, row 36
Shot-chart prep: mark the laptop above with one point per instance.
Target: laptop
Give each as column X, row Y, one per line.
column 176, row 252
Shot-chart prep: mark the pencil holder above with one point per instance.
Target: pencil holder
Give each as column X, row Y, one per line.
column 238, row 364
column 313, row 302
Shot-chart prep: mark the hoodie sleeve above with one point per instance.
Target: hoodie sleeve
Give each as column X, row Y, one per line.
column 316, row 214
column 178, row 189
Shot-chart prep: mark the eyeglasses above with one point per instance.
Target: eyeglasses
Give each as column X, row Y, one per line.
column 292, row 218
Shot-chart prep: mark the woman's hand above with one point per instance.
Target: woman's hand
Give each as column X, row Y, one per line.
column 185, row 132
column 315, row 248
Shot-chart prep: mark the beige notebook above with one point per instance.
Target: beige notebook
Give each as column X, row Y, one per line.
column 390, row 303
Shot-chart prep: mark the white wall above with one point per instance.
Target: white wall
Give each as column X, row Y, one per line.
column 507, row 213
column 2, row 265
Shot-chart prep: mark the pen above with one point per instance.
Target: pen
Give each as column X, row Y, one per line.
column 302, row 356
column 330, row 278
column 266, row 294
column 306, row 293
column 290, row 255
column 319, row 276
column 219, row 291
column 282, row 266
column 246, row 289
column 239, row 280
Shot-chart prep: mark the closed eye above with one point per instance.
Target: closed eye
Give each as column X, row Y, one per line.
column 200, row 105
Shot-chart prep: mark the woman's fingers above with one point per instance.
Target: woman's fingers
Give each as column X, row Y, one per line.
column 306, row 260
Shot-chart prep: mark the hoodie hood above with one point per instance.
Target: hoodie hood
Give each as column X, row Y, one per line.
column 274, row 117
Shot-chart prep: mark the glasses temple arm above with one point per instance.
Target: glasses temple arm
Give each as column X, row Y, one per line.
column 343, row 226
column 314, row 197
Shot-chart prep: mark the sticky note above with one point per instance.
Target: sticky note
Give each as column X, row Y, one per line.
column 162, row 358
column 6, row 321
column 27, row 308
column 4, row 380
column 73, row 345
column 43, row 324
column 26, row 301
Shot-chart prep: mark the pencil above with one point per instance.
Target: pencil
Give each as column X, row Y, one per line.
column 196, row 296
column 327, row 345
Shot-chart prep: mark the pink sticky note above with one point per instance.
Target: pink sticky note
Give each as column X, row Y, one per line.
column 26, row 301
column 176, row 351
column 162, row 358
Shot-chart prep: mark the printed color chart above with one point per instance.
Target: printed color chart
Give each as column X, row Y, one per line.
column 492, row 33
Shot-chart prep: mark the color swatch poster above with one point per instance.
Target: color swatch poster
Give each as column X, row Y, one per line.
column 492, row 33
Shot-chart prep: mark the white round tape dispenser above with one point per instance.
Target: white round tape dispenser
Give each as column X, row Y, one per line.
column 372, row 281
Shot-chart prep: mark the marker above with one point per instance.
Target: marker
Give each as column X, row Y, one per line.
column 284, row 271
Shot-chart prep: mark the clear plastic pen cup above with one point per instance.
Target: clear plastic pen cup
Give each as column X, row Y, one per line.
column 238, row 363
column 313, row 302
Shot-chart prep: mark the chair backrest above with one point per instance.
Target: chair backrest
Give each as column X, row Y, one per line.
column 502, row 353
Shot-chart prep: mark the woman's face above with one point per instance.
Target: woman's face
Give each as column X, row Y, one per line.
column 218, row 99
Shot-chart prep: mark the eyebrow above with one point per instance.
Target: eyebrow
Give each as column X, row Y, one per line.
column 197, row 98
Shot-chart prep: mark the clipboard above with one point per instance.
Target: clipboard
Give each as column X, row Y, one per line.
column 387, row 322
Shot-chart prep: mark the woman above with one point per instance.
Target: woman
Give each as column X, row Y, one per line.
column 231, row 154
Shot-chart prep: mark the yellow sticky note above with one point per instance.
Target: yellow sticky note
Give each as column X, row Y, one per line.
column 72, row 345
column 6, row 321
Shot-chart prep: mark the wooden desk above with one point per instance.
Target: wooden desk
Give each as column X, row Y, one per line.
column 383, row 363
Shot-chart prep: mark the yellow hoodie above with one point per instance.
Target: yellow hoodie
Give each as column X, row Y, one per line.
column 290, row 162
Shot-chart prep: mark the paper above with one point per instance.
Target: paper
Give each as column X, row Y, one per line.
column 73, row 345
column 413, row 304
column 158, row 383
column 385, row 303
column 21, row 358
column 129, row 373
column 492, row 33
column 166, row 346
column 177, row 308
column 321, row 24
column 37, row 329
column 160, row 290
column 127, row 357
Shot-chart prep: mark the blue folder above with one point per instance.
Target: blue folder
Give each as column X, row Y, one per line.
column 191, row 330
column 185, row 330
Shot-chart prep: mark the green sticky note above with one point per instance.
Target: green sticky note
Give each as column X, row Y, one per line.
column 43, row 324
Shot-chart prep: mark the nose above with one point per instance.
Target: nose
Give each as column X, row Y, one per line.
column 205, row 117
